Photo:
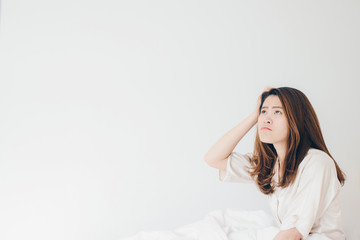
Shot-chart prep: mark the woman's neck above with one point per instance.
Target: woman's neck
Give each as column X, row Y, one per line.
column 281, row 151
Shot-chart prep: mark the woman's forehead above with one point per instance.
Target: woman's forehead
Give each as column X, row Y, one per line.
column 271, row 101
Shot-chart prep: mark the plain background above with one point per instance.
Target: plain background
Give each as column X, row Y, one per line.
column 107, row 108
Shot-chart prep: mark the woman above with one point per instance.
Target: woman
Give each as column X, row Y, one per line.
column 290, row 163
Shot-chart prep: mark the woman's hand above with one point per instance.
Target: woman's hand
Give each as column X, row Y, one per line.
column 259, row 99
column 289, row 234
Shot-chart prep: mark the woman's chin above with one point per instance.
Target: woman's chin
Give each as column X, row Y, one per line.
column 266, row 141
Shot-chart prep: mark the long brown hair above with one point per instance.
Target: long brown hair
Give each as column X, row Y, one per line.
column 304, row 133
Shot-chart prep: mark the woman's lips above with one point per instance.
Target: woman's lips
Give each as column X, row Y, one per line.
column 265, row 128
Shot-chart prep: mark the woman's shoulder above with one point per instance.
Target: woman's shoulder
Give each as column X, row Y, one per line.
column 317, row 158
column 247, row 155
column 318, row 167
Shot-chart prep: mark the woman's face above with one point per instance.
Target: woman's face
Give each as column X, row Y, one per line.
column 273, row 126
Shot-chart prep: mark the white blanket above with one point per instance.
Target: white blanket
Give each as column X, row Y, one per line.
column 225, row 224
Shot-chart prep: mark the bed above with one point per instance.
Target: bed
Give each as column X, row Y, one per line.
column 227, row 224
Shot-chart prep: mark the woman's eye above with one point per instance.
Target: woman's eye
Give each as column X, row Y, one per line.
column 263, row 111
column 278, row 112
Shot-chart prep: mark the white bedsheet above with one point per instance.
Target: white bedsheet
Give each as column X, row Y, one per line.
column 228, row 224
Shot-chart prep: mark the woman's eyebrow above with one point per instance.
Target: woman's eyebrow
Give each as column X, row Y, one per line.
column 272, row 107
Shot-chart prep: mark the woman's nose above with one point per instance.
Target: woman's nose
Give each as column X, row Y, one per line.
column 267, row 120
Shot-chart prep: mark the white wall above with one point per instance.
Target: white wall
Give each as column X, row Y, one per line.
column 108, row 107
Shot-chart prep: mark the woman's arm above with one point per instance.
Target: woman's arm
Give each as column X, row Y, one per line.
column 289, row 234
column 228, row 142
column 223, row 147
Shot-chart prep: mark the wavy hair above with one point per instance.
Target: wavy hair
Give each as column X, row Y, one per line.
column 304, row 133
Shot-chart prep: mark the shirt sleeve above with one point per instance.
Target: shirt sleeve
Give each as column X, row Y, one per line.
column 237, row 168
column 317, row 187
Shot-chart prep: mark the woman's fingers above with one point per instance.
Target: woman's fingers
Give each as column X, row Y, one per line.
column 266, row 89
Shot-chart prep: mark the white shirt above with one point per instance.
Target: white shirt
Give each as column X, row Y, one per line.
column 311, row 203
